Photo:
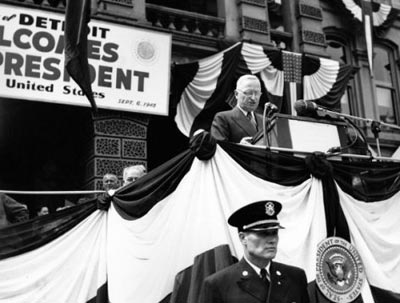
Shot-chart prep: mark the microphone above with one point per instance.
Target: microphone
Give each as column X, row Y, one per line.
column 306, row 108
column 270, row 108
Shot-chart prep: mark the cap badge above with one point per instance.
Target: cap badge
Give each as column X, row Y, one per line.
column 269, row 208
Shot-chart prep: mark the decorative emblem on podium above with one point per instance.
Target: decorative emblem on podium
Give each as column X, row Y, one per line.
column 340, row 271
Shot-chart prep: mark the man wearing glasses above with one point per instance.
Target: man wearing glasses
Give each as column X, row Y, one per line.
column 132, row 173
column 241, row 123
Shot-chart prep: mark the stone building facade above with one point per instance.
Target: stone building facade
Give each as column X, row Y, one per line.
column 201, row 28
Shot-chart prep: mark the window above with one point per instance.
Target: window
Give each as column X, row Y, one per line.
column 279, row 37
column 339, row 50
column 206, row 7
column 385, row 79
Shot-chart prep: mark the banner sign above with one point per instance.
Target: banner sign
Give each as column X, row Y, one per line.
column 129, row 67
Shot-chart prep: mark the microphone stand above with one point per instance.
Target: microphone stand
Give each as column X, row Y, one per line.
column 375, row 125
column 376, row 129
column 266, row 128
column 266, row 142
column 328, row 155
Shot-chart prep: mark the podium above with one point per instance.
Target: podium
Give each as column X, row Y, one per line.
column 310, row 135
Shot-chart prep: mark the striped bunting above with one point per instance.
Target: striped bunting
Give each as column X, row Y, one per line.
column 71, row 268
column 379, row 16
column 162, row 253
column 382, row 15
column 206, row 87
column 199, row 90
column 192, row 221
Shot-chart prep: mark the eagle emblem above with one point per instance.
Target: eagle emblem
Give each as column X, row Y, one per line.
column 339, row 270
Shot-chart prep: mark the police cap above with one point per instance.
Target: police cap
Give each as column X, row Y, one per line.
column 257, row 216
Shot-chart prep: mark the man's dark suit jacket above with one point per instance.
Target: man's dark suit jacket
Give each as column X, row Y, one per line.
column 233, row 125
column 239, row 283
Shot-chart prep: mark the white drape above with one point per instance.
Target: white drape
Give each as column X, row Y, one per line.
column 69, row 269
column 140, row 259
column 145, row 255
column 375, row 232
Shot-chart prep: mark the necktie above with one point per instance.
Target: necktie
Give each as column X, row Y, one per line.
column 264, row 274
column 252, row 121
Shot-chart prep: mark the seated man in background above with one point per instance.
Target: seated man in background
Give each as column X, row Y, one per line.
column 241, row 123
column 12, row 211
column 110, row 181
column 132, row 173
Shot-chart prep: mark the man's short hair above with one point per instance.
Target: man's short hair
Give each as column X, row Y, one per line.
column 140, row 168
column 239, row 82
column 109, row 175
column 140, row 171
column 110, row 181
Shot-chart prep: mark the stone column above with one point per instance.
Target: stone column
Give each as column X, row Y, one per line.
column 129, row 9
column 289, row 13
column 230, row 13
column 311, row 36
column 119, row 140
column 254, row 21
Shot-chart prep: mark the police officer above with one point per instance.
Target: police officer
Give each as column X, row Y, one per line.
column 256, row 278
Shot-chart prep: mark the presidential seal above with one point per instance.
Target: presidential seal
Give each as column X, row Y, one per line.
column 146, row 51
column 340, row 271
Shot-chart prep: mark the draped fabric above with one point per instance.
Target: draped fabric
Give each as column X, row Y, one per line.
column 77, row 16
column 205, row 87
column 372, row 231
column 326, row 85
column 192, row 220
column 157, row 239
column 33, row 234
column 70, row 268
column 138, row 198
column 383, row 15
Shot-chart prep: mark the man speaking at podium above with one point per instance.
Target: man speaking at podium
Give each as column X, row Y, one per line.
column 241, row 123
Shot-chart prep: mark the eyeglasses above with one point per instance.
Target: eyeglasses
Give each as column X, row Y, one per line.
column 250, row 93
column 131, row 179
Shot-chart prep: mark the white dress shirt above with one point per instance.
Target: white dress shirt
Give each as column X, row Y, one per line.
column 258, row 269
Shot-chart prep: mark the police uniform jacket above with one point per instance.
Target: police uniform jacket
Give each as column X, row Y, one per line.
column 239, row 283
column 233, row 125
